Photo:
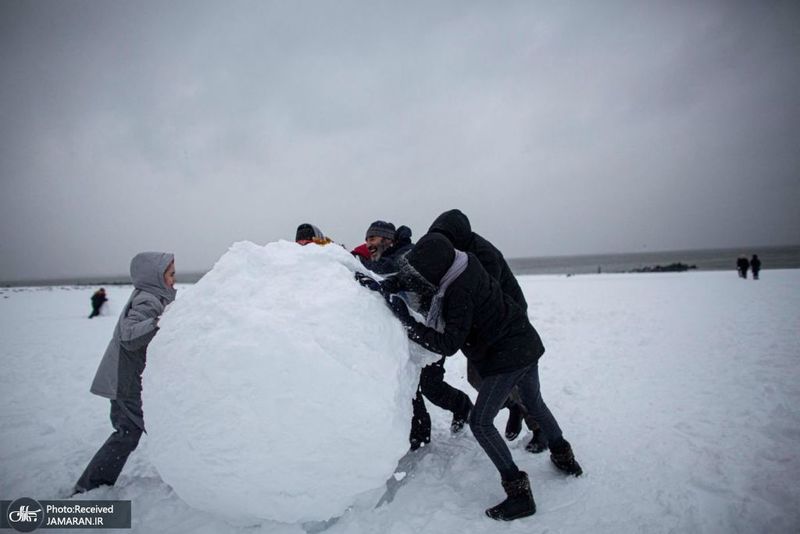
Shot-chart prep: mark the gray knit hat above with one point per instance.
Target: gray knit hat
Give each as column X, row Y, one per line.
column 381, row 229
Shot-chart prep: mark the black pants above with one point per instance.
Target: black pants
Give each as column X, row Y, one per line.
column 491, row 398
column 440, row 393
column 107, row 463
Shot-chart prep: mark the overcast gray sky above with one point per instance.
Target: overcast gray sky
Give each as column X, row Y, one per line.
column 557, row 127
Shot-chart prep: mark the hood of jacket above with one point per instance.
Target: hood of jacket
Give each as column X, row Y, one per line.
column 402, row 237
column 147, row 273
column 454, row 225
column 431, row 257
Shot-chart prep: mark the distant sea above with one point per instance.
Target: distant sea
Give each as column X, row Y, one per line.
column 783, row 257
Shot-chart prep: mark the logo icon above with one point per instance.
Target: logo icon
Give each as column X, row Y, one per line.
column 25, row 515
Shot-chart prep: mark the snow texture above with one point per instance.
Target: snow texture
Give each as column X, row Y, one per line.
column 278, row 387
column 680, row 393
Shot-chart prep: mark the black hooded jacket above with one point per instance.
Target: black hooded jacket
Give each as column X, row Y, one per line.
column 488, row 326
column 454, row 225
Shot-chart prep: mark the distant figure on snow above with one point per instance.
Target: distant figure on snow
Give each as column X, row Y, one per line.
column 742, row 265
column 755, row 264
column 98, row 299
column 119, row 376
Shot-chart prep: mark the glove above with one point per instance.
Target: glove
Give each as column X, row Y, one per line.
column 390, row 285
column 367, row 282
column 400, row 310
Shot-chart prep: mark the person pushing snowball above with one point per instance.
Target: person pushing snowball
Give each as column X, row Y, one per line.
column 119, row 376
column 455, row 226
column 308, row 233
column 388, row 247
column 470, row 312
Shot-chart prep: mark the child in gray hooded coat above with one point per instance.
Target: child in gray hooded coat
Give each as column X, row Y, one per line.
column 119, row 376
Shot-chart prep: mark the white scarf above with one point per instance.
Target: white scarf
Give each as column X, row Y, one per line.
column 435, row 319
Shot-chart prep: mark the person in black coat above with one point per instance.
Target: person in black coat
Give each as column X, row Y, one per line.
column 742, row 265
column 98, row 299
column 455, row 226
column 755, row 265
column 470, row 312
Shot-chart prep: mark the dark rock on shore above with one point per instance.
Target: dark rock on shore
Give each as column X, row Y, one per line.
column 671, row 268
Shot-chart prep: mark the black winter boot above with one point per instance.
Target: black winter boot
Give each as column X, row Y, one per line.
column 514, row 424
column 458, row 423
column 538, row 443
column 460, row 419
column 519, row 502
column 562, row 457
column 416, row 443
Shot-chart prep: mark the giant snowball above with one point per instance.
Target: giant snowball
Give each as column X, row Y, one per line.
column 278, row 388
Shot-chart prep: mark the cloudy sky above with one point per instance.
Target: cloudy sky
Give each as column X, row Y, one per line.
column 557, row 127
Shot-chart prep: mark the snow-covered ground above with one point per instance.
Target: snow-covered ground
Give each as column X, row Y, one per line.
column 680, row 393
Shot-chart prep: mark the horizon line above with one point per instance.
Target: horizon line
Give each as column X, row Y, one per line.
column 124, row 279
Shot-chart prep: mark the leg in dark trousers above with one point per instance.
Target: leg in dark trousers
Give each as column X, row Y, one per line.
column 492, row 397
column 531, row 397
column 420, row 423
column 560, row 450
column 473, row 376
column 442, row 394
column 516, row 411
column 107, row 463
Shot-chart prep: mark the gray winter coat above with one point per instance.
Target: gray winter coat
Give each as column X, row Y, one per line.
column 119, row 375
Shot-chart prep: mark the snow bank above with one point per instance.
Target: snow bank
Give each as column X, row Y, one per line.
column 277, row 387
column 679, row 391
